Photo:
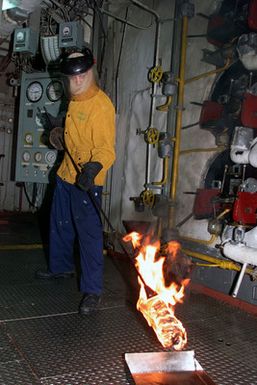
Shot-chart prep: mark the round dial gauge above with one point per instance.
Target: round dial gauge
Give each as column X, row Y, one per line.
column 26, row 156
column 50, row 157
column 38, row 156
column 54, row 90
column 34, row 92
column 28, row 138
column 20, row 36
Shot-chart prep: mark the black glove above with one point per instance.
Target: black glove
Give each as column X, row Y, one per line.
column 49, row 121
column 85, row 179
column 56, row 138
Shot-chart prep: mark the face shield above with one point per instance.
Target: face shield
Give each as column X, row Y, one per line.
column 75, row 65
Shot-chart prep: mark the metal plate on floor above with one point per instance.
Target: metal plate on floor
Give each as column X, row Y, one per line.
column 166, row 368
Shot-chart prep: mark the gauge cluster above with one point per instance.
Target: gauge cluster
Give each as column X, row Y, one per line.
column 53, row 90
column 41, row 94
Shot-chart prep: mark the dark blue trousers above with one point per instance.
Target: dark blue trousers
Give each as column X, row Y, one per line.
column 73, row 214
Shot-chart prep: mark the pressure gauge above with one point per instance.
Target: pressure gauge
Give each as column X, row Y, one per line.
column 29, row 138
column 26, row 156
column 50, row 157
column 34, row 92
column 20, row 36
column 54, row 90
column 38, row 156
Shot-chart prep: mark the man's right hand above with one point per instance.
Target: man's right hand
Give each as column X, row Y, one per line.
column 56, row 138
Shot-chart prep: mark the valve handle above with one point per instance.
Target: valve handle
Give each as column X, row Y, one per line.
column 148, row 198
column 152, row 135
column 155, row 74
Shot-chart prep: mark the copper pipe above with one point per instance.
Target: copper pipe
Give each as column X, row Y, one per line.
column 165, row 173
column 209, row 73
column 164, row 107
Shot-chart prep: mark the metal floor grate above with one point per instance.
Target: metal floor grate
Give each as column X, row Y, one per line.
column 43, row 341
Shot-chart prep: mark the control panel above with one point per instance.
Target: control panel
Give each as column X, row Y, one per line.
column 41, row 94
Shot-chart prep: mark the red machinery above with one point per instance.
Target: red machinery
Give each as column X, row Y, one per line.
column 245, row 208
column 252, row 15
column 249, row 110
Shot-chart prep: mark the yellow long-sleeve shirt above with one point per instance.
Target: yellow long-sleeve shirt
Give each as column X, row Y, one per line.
column 89, row 134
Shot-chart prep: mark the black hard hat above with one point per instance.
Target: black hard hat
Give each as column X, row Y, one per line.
column 77, row 65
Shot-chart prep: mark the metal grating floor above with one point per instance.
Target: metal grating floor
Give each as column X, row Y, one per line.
column 43, row 341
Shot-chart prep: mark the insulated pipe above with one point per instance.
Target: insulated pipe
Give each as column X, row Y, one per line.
column 181, row 85
column 241, row 253
column 154, row 86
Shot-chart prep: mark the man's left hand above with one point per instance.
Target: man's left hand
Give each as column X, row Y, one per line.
column 85, row 179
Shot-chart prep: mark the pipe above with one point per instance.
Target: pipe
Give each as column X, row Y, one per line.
column 118, row 63
column 213, row 237
column 181, row 84
column 154, row 86
column 164, row 107
column 223, row 213
column 206, row 74
column 201, row 241
column 241, row 253
column 239, row 280
column 211, row 149
column 222, row 264
column 165, row 173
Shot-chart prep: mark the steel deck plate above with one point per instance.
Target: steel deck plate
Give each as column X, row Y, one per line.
column 44, row 341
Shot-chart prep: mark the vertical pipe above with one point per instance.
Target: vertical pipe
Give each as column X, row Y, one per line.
column 239, row 280
column 173, row 187
column 154, row 86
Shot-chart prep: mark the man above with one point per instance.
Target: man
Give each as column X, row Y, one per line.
column 88, row 142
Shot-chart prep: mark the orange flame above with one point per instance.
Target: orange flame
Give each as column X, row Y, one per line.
column 159, row 309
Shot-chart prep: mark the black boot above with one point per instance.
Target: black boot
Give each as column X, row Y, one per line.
column 89, row 304
column 46, row 274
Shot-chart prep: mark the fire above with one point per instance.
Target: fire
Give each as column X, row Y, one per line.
column 159, row 309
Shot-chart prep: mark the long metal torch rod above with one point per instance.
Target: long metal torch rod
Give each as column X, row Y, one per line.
column 150, row 292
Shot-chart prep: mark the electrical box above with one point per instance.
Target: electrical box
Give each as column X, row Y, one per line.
column 25, row 40
column 71, row 34
column 40, row 93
